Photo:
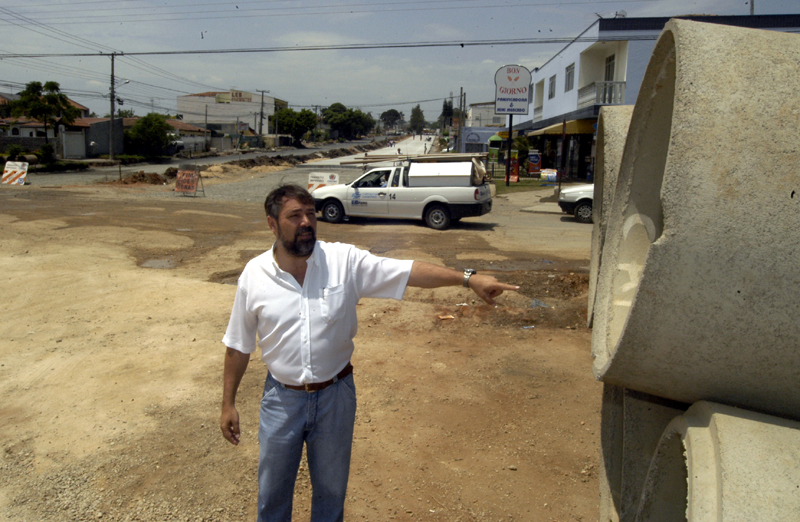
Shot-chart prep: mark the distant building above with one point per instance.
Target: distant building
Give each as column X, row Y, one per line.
column 482, row 115
column 223, row 109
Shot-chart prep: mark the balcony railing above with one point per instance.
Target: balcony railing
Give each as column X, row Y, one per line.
column 537, row 113
column 601, row 93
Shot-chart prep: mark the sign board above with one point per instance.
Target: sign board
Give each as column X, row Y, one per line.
column 321, row 179
column 512, row 90
column 187, row 179
column 14, row 173
column 534, row 162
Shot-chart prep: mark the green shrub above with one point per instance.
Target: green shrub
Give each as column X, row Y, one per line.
column 14, row 152
column 59, row 166
column 46, row 154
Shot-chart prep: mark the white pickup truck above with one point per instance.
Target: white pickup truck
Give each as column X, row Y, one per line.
column 438, row 193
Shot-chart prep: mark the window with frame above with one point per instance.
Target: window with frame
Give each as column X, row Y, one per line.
column 551, row 91
column 610, row 68
column 569, row 77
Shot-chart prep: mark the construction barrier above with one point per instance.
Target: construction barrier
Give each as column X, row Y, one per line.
column 14, row 173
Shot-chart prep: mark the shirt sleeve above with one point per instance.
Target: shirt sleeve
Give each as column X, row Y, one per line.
column 380, row 277
column 243, row 324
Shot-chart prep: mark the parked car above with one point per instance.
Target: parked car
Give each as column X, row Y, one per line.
column 577, row 200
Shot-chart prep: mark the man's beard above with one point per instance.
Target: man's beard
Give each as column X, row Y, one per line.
column 299, row 247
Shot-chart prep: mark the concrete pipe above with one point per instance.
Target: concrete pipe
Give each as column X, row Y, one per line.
column 612, row 130
column 697, row 296
column 718, row 463
column 631, row 426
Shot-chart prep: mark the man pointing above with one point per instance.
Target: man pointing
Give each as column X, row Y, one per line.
column 297, row 302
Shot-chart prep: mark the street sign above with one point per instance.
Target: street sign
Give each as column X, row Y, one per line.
column 187, row 180
column 512, row 90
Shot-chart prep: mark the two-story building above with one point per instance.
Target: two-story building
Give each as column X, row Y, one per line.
column 223, row 110
column 604, row 65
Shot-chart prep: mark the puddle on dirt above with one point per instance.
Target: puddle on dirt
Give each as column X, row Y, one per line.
column 158, row 263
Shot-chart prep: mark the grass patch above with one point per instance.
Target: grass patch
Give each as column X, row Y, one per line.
column 523, row 185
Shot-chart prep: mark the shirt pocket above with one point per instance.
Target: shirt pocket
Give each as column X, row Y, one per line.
column 333, row 303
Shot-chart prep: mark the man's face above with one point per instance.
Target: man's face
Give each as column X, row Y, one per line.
column 296, row 227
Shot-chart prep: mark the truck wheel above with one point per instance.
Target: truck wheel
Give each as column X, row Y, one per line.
column 583, row 212
column 332, row 211
column 437, row 217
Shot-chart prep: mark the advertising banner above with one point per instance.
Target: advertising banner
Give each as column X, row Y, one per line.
column 321, row 179
column 512, row 90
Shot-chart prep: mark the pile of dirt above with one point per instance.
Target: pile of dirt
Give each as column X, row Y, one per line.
column 291, row 160
column 148, row 178
column 275, row 161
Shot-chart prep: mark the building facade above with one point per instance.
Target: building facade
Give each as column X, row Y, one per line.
column 604, row 65
column 226, row 108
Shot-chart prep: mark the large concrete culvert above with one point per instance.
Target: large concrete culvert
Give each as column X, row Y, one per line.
column 700, row 270
column 612, row 130
column 717, row 463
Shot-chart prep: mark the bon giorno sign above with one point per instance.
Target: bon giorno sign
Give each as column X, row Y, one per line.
column 512, row 90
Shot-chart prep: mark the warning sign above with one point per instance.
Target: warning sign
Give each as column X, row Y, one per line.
column 14, row 173
column 321, row 179
column 187, row 180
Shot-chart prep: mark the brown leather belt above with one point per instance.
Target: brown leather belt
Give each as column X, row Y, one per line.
column 317, row 386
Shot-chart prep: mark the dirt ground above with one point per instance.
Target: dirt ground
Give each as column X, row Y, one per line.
column 111, row 362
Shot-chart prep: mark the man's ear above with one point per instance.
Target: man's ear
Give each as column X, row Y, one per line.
column 273, row 225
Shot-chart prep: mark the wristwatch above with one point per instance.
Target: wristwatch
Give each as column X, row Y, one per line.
column 467, row 274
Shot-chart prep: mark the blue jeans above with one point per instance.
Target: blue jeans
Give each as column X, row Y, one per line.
column 324, row 420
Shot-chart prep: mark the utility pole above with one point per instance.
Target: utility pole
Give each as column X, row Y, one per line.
column 752, row 7
column 277, row 135
column 111, row 123
column 261, row 122
column 460, row 118
column 205, row 140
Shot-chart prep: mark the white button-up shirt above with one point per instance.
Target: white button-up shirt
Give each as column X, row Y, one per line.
column 306, row 333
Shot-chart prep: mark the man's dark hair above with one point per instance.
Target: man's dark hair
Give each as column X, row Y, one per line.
column 274, row 202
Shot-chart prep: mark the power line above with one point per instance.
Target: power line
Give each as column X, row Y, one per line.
column 302, row 11
column 349, row 47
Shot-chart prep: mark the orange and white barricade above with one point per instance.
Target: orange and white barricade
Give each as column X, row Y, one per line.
column 321, row 179
column 14, row 173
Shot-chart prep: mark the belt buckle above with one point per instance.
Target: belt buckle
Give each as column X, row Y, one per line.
column 308, row 387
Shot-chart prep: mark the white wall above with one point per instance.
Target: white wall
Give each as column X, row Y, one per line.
column 193, row 109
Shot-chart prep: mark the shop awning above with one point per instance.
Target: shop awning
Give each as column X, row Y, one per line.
column 573, row 127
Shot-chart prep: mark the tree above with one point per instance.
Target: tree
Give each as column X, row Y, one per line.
column 123, row 113
column 348, row 122
column 333, row 111
column 417, row 122
column 296, row 123
column 390, row 117
column 45, row 104
column 150, row 135
column 446, row 117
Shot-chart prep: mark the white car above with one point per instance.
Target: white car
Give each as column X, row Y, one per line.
column 577, row 200
column 437, row 193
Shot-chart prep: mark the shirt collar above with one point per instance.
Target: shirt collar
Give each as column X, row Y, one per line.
column 313, row 258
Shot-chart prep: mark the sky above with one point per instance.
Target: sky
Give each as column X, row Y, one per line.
column 288, row 46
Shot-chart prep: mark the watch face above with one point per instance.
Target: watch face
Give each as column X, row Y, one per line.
column 470, row 271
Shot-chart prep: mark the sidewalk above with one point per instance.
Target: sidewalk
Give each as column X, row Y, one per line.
column 532, row 201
